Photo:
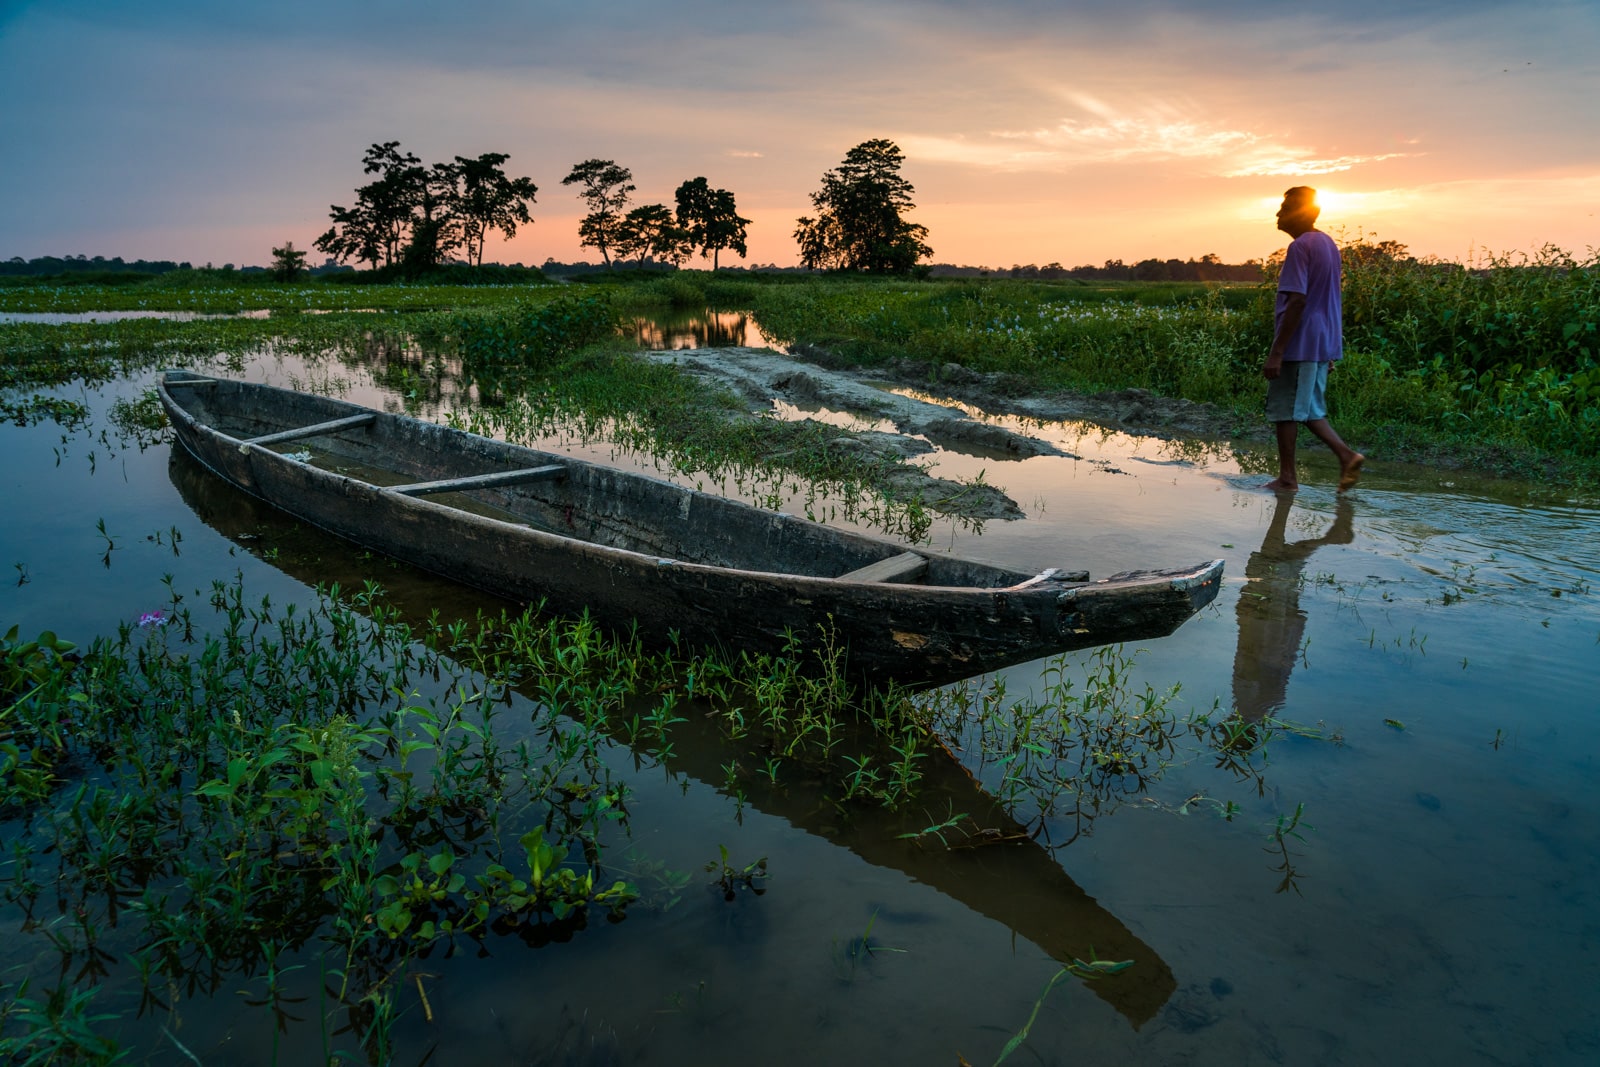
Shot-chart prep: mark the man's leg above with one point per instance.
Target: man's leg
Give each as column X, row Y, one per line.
column 1287, row 480
column 1350, row 460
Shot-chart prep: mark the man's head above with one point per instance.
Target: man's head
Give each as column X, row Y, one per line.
column 1299, row 211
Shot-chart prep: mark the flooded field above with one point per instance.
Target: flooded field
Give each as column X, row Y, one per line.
column 1410, row 871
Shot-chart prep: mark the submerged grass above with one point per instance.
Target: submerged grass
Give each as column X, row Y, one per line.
column 206, row 803
column 536, row 365
column 657, row 410
column 184, row 808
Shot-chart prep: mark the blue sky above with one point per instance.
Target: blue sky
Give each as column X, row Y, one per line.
column 1033, row 131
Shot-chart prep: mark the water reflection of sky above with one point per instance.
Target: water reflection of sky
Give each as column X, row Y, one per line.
column 1450, row 837
column 708, row 329
column 61, row 318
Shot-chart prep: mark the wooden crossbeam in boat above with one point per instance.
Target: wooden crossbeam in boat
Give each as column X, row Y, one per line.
column 905, row 567
column 482, row 481
column 314, row 430
column 170, row 382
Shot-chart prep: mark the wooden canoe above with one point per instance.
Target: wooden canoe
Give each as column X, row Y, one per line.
column 541, row 526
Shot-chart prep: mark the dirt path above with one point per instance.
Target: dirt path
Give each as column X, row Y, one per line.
column 807, row 382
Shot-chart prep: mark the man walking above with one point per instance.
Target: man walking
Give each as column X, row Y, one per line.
column 1307, row 338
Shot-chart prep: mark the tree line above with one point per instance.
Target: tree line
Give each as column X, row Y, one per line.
column 16, row 265
column 1208, row 268
column 416, row 216
column 419, row 216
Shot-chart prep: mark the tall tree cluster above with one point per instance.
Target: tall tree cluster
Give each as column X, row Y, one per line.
column 859, row 223
column 420, row 215
column 706, row 220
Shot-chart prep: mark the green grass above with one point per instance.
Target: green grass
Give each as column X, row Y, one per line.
column 1494, row 367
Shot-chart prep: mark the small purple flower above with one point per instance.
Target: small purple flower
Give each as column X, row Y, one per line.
column 152, row 618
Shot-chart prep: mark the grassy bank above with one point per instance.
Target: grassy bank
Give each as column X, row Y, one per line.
column 538, row 362
column 1495, row 367
column 215, row 291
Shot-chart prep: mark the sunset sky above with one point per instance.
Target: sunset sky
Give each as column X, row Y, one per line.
column 1034, row 130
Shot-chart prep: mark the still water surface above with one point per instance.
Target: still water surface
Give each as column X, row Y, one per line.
column 1441, row 908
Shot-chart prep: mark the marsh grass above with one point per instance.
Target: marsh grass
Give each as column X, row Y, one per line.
column 532, row 367
column 307, row 803
column 219, row 294
column 1493, row 364
column 185, row 808
column 652, row 409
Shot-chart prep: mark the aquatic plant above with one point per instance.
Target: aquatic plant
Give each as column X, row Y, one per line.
column 196, row 795
column 1092, row 969
column 729, row 878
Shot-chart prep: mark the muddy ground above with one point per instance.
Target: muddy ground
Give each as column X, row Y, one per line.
column 810, row 381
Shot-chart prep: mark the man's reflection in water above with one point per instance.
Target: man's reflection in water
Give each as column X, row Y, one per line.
column 1271, row 624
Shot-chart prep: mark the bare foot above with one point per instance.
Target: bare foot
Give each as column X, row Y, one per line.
column 1278, row 485
column 1350, row 473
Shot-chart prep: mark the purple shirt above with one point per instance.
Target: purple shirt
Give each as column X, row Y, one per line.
column 1311, row 266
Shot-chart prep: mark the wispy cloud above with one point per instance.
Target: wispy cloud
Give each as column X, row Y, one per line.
column 1296, row 163
column 1106, row 136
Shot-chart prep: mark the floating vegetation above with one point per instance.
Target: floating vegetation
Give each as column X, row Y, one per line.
column 1091, row 969
column 860, row 951
column 69, row 414
column 1288, row 826
column 729, row 878
column 1075, row 752
column 142, row 421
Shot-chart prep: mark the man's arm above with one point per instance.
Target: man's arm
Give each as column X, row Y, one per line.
column 1294, row 306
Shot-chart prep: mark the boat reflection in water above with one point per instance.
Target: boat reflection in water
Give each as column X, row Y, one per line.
column 1001, row 873
column 1271, row 624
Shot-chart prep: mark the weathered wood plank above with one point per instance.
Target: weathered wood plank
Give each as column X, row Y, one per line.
column 314, row 430
column 906, row 567
column 748, row 578
column 482, row 481
column 190, row 381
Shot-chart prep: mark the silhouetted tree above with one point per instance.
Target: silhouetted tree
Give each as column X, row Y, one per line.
column 288, row 262
column 606, row 187
column 437, row 229
column 419, row 215
column 711, row 219
column 485, row 199
column 376, row 228
column 650, row 230
column 860, row 209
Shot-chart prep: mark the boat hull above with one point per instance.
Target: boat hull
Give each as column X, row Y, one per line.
column 914, row 634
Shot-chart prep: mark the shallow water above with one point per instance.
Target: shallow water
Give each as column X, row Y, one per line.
column 1442, row 902
column 61, row 318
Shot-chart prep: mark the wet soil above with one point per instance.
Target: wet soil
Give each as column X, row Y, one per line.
column 812, row 381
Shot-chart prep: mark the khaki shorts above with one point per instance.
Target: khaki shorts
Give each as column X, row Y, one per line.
column 1299, row 393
